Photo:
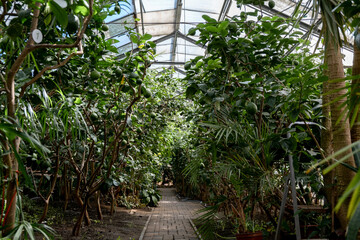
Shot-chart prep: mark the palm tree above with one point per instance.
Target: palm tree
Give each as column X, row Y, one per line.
column 354, row 100
column 337, row 134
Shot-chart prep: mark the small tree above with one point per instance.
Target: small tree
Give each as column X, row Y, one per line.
column 30, row 28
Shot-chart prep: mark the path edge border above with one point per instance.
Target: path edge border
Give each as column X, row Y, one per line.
column 195, row 229
column 145, row 227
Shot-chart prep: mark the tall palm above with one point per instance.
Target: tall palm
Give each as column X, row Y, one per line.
column 337, row 132
column 350, row 9
column 354, row 100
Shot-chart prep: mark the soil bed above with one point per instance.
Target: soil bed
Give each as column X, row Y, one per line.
column 124, row 224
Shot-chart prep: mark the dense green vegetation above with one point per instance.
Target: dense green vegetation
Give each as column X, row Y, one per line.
column 79, row 124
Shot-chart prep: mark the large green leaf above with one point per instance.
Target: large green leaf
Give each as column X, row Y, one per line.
column 191, row 91
column 60, row 14
column 82, row 10
column 146, row 37
column 354, row 225
column 209, row 19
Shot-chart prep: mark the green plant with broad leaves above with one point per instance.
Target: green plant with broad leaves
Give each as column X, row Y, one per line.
column 353, row 189
column 247, row 90
column 76, row 99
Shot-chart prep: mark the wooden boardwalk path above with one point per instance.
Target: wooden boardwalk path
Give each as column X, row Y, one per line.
column 171, row 219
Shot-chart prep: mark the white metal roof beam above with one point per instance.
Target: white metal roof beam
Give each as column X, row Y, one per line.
column 162, row 39
column 199, row 11
column 176, row 27
column 172, row 67
column 180, row 35
column 168, row 63
column 135, row 16
column 142, row 16
column 179, row 70
column 224, row 10
column 316, row 32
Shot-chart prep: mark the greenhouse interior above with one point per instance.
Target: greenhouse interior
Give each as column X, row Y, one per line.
column 180, row 119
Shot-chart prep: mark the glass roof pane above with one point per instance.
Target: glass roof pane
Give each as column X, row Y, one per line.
column 118, row 26
column 126, row 9
column 234, row 10
column 159, row 18
column 158, row 23
column 195, row 50
column 167, row 41
column 154, row 38
column 162, row 44
column 184, row 28
column 160, row 29
column 209, row 6
column 155, row 5
column 125, row 48
column 163, row 49
column 195, row 17
column 123, row 40
column 183, row 57
column 163, row 58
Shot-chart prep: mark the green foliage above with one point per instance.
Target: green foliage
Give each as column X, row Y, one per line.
column 26, row 230
column 150, row 197
column 353, row 189
column 246, row 90
column 92, row 115
column 354, row 224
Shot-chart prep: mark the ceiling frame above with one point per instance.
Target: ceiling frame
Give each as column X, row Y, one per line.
column 179, row 70
column 162, row 39
column 135, row 16
column 308, row 27
column 224, row 10
column 168, row 63
column 189, row 39
column 142, row 9
column 176, row 28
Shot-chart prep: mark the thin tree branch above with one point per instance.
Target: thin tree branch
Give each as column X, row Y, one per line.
column 5, row 89
column 30, row 46
column 2, row 16
column 12, row 14
column 79, row 35
column 39, row 75
column 10, row 78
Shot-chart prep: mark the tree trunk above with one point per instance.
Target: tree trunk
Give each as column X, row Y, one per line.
column 10, row 161
column 84, row 214
column 355, row 97
column 326, row 145
column 341, row 130
column 11, row 194
column 98, row 205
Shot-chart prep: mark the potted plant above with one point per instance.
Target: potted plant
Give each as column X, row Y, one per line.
column 249, row 236
column 248, row 228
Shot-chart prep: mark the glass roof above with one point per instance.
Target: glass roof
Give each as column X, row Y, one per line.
column 168, row 21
